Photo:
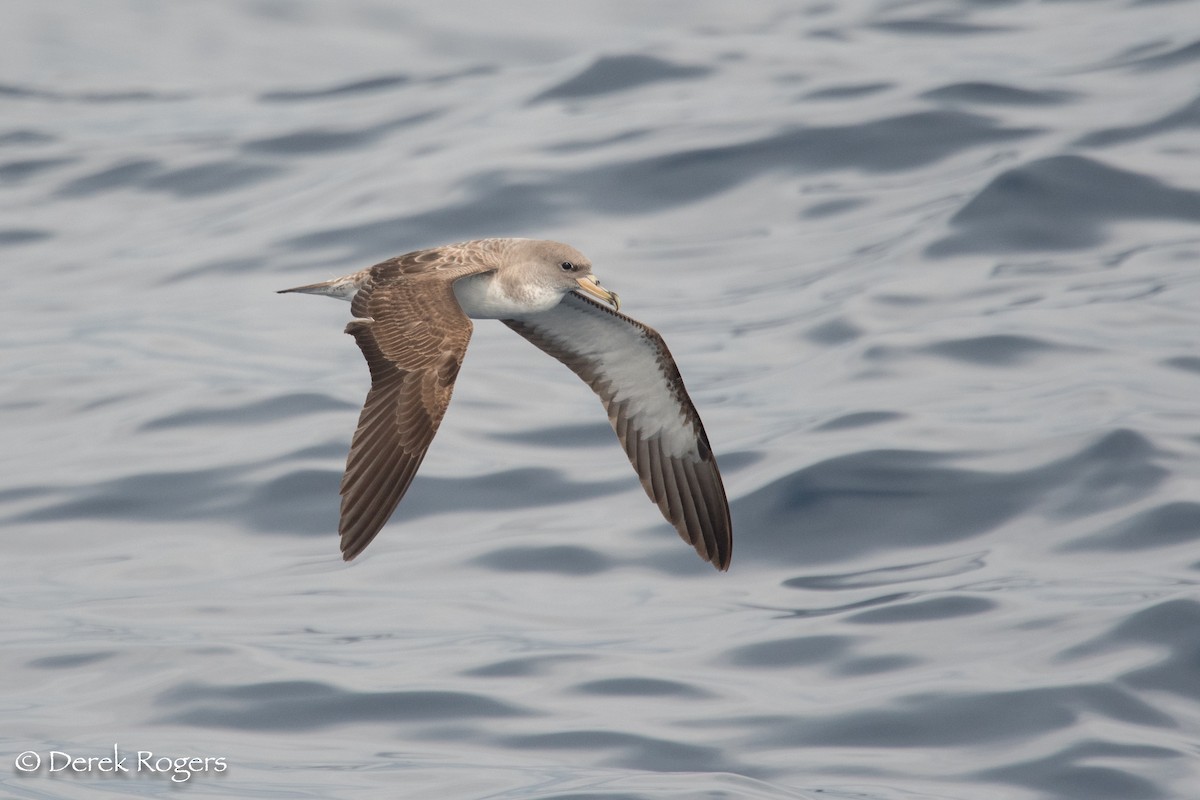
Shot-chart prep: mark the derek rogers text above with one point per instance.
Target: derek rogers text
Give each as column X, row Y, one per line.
column 179, row 768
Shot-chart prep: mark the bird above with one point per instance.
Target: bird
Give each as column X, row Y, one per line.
column 412, row 321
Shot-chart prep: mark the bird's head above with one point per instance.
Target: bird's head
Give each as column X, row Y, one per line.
column 565, row 269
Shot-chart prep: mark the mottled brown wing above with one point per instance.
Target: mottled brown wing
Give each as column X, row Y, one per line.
column 629, row 366
column 413, row 335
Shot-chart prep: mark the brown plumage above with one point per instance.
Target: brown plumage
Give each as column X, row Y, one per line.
column 412, row 324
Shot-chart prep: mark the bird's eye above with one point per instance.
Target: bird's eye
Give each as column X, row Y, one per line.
column 567, row 266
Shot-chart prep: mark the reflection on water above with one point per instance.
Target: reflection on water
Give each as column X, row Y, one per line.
column 929, row 271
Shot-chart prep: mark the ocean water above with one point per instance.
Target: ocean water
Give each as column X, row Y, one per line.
column 930, row 269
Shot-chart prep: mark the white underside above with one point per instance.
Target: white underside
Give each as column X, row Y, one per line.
column 483, row 297
column 630, row 363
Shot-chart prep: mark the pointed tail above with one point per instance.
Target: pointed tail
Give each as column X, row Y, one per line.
column 341, row 288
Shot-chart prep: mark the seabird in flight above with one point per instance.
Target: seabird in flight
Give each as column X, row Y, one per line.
column 412, row 321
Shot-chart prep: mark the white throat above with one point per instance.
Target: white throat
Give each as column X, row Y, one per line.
column 484, row 296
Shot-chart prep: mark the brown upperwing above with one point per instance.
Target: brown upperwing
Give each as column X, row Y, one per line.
column 413, row 335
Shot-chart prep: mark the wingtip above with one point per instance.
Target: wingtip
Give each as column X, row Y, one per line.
column 721, row 560
column 352, row 549
column 725, row 554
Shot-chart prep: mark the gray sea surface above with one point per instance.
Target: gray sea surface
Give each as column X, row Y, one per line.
column 931, row 270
